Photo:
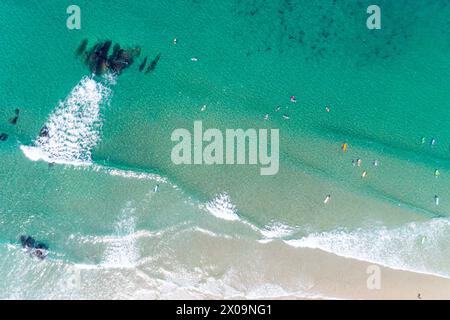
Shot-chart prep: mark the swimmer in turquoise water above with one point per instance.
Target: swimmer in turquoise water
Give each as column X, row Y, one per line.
column 433, row 142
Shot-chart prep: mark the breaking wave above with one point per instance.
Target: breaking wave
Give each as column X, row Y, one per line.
column 417, row 246
column 222, row 207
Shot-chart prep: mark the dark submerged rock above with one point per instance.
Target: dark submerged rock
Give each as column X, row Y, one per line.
column 82, row 47
column 4, row 137
column 142, row 66
column 98, row 57
column 13, row 121
column 99, row 62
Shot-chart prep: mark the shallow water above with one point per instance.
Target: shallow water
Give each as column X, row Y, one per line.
column 96, row 206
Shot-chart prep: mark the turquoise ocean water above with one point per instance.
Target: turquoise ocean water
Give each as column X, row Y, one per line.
column 215, row 231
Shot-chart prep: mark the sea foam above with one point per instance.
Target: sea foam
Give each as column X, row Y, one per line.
column 74, row 126
column 417, row 246
column 124, row 251
column 222, row 207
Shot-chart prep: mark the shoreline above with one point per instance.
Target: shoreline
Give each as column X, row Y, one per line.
column 342, row 278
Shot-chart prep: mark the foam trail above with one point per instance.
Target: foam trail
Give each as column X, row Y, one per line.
column 222, row 207
column 417, row 246
column 74, row 126
column 123, row 251
column 130, row 174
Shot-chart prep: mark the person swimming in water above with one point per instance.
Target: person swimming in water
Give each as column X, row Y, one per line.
column 433, row 142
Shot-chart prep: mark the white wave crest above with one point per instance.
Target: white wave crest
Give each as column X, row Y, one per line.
column 277, row 230
column 222, row 207
column 130, row 174
column 417, row 246
column 123, row 251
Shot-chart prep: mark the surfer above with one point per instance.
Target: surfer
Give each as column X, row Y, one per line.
column 82, row 48
column 344, row 147
column 437, row 173
column 436, row 200
column 327, row 199
column 433, row 142
column 99, row 62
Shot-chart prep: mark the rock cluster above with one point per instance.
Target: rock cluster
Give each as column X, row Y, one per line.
column 100, row 61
